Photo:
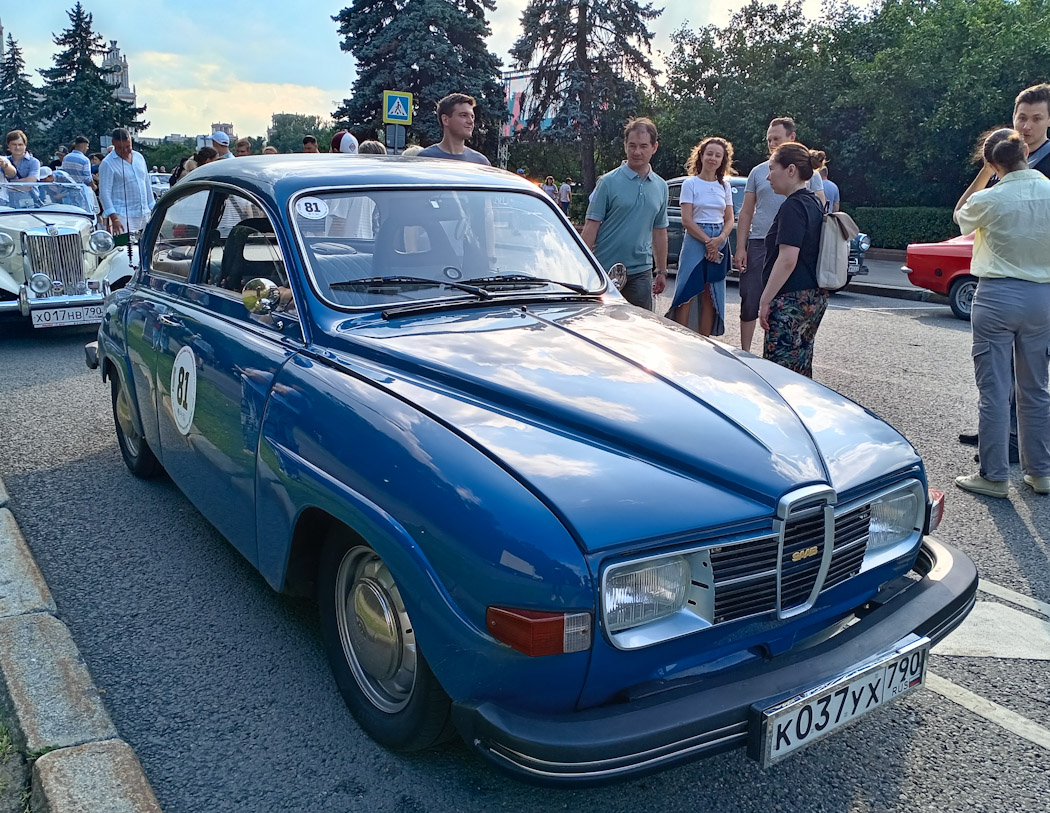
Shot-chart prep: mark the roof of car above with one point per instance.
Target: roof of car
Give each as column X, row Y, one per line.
column 283, row 175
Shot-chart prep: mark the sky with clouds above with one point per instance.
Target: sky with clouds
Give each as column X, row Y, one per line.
column 195, row 62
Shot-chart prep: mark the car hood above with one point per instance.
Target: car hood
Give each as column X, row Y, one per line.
column 626, row 426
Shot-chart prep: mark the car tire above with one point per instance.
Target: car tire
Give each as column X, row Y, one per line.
column 960, row 296
column 380, row 670
column 137, row 454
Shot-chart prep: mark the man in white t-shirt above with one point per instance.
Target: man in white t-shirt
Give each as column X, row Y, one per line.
column 760, row 206
column 565, row 195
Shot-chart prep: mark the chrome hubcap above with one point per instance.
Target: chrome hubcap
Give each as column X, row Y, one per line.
column 127, row 425
column 374, row 629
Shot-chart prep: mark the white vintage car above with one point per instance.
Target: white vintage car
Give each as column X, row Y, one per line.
column 55, row 266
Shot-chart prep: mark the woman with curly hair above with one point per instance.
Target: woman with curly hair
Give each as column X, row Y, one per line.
column 792, row 303
column 707, row 220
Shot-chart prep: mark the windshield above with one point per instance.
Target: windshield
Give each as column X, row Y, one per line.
column 60, row 197
column 374, row 248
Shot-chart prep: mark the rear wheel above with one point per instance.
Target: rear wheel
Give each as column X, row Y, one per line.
column 138, row 456
column 960, row 297
column 372, row 650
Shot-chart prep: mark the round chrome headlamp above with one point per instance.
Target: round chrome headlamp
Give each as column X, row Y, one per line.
column 7, row 246
column 40, row 283
column 618, row 275
column 863, row 241
column 100, row 242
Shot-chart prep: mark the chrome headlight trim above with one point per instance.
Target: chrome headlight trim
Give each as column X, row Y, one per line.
column 100, row 242
column 863, row 241
column 886, row 543
column 7, row 246
column 40, row 284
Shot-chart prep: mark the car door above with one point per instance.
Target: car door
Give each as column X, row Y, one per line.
column 216, row 368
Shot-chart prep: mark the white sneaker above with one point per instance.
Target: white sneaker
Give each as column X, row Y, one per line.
column 979, row 485
column 1040, row 485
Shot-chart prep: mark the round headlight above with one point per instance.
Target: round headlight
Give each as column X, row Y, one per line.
column 7, row 246
column 100, row 242
column 618, row 275
column 863, row 241
column 40, row 283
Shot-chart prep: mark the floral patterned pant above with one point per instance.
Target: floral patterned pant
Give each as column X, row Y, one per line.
column 793, row 322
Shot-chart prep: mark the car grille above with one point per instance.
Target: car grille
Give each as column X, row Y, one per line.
column 61, row 257
column 746, row 574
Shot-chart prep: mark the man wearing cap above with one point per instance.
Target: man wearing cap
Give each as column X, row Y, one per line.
column 344, row 142
column 124, row 187
column 221, row 142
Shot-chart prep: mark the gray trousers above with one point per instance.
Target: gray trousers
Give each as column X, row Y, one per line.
column 638, row 290
column 1011, row 319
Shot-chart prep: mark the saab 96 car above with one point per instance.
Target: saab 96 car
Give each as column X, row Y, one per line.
column 588, row 541
column 55, row 266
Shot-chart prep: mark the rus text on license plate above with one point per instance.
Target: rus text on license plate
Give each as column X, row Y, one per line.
column 73, row 315
column 811, row 716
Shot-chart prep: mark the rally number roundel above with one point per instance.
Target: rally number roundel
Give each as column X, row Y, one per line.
column 184, row 389
column 311, row 208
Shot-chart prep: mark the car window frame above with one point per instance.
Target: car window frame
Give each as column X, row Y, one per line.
column 152, row 233
column 296, row 235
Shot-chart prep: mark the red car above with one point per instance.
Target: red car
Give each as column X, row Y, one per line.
column 944, row 268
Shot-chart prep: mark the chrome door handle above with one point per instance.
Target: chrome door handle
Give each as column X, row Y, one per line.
column 169, row 321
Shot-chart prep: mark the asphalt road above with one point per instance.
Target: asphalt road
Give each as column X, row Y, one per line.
column 221, row 686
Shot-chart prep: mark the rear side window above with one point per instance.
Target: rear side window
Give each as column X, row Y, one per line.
column 179, row 236
column 242, row 246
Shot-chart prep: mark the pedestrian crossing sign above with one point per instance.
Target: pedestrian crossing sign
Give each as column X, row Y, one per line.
column 397, row 107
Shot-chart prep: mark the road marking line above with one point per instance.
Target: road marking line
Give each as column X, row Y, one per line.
column 996, row 630
column 1012, row 596
column 993, row 712
column 880, row 310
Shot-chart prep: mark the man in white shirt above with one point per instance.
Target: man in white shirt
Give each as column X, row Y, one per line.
column 124, row 187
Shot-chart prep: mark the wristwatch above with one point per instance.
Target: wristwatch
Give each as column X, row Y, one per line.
column 660, row 271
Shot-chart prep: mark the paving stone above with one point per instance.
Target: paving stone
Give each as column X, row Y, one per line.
column 22, row 588
column 101, row 777
column 45, row 686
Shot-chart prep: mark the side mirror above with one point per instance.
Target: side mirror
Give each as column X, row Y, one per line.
column 260, row 295
column 618, row 275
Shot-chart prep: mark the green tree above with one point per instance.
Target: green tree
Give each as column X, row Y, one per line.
column 429, row 48
column 167, row 154
column 77, row 98
column 580, row 53
column 19, row 100
column 287, row 130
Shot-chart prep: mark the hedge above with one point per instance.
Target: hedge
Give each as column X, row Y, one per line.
column 895, row 227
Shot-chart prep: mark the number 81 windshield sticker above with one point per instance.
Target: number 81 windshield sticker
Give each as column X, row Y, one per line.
column 184, row 389
column 311, row 208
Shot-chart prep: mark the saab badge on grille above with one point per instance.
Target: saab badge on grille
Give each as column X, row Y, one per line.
column 805, row 553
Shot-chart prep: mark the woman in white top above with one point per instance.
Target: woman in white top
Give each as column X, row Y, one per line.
column 1011, row 312
column 707, row 220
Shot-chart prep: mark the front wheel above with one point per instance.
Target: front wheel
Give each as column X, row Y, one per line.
column 960, row 297
column 138, row 456
column 372, row 650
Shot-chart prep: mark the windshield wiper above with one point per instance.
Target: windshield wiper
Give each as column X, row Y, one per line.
column 512, row 279
column 422, row 282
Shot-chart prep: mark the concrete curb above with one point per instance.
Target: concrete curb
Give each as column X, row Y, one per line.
column 50, row 702
column 892, row 291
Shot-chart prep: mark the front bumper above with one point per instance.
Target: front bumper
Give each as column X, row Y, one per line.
column 704, row 716
column 26, row 304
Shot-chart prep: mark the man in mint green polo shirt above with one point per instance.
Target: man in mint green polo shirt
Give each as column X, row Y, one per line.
column 627, row 217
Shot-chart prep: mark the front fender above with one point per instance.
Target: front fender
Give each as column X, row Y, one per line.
column 458, row 533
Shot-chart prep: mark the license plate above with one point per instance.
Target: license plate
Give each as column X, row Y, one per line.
column 75, row 315
column 809, row 717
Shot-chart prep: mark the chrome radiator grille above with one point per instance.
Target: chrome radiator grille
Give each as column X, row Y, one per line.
column 61, row 257
column 745, row 574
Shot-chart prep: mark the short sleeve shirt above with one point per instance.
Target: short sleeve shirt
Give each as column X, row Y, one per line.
column 28, row 167
column 797, row 223
column 768, row 202
column 565, row 191
column 708, row 198
column 78, row 166
column 628, row 207
column 831, row 194
column 472, row 156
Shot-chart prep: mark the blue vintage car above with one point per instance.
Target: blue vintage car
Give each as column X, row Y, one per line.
column 588, row 541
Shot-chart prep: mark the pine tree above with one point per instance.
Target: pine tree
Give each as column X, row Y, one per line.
column 584, row 55
column 77, row 98
column 429, row 48
column 19, row 100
